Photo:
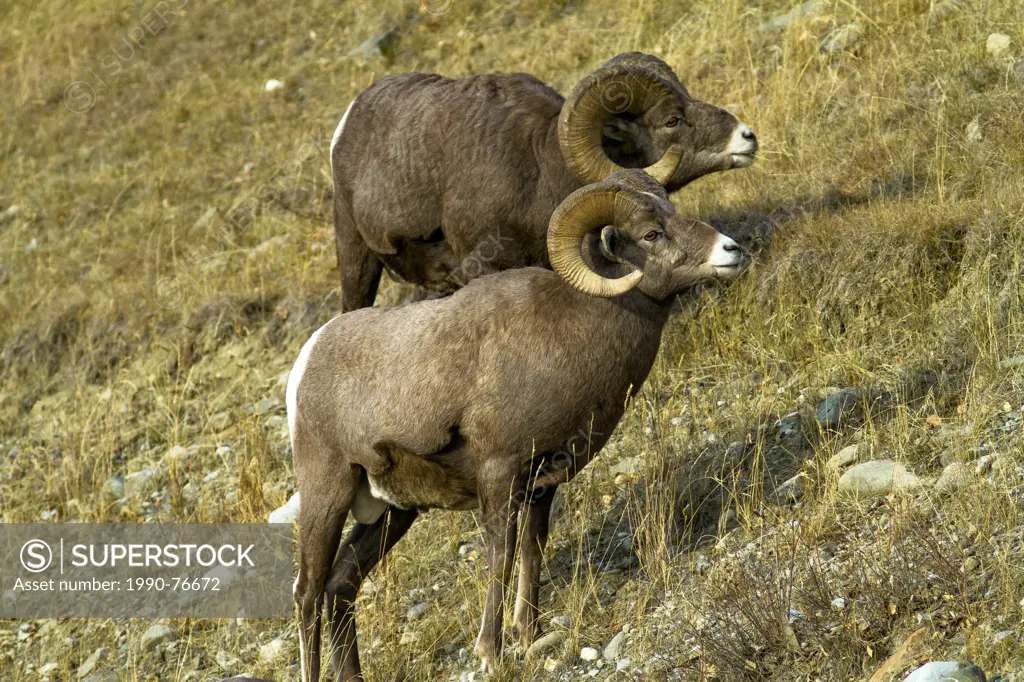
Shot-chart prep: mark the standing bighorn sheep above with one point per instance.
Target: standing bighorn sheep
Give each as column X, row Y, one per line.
column 488, row 398
column 442, row 180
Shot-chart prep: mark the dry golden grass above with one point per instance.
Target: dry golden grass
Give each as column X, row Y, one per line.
column 172, row 250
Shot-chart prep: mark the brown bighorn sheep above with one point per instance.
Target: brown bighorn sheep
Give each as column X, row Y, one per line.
column 442, row 180
column 476, row 400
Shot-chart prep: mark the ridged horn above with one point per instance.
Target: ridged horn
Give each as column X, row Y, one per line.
column 615, row 89
column 587, row 209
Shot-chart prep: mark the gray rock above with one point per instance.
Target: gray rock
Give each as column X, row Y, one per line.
column 997, row 44
column 278, row 421
column 876, row 478
column 933, row 672
column 588, row 653
column 622, row 664
column 841, row 38
column 956, row 476
column 221, row 421
column 562, row 622
column 114, row 487
column 984, row 464
column 839, row 406
column 973, row 131
column 272, row 650
column 156, row 635
column 287, row 512
column 141, row 482
column 1002, row 636
column 611, row 650
column 844, row 458
column 177, row 454
column 547, row 643
column 782, row 21
column 417, row 611
column 627, row 465
column 379, row 47
column 95, row 659
column 790, row 425
column 793, row 489
column 108, row 675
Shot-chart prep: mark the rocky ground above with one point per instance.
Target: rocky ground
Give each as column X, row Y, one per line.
column 821, row 480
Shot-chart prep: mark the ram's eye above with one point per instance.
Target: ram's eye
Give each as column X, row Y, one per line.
column 672, row 122
column 651, row 236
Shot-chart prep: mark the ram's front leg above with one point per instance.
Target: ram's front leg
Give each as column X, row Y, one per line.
column 499, row 501
column 535, row 538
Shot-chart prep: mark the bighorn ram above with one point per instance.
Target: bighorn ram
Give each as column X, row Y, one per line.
column 441, row 180
column 489, row 398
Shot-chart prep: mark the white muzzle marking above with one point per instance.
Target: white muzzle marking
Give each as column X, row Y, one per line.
column 742, row 146
column 726, row 254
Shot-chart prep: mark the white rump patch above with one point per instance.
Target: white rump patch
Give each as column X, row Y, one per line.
column 291, row 396
column 337, row 134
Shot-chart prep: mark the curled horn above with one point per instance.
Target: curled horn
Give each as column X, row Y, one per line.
column 587, row 209
column 633, row 84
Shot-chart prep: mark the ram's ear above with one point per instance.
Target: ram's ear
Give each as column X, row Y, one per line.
column 619, row 129
column 612, row 244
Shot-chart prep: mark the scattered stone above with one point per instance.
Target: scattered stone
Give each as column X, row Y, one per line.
column 273, row 85
column 997, row 44
column 221, row 421
column 381, row 46
column 841, row 38
column 623, row 664
column 839, row 603
column 611, row 651
column 843, row 458
column 972, row 564
column 793, row 489
column 272, row 650
column 933, row 672
column 177, row 454
column 627, row 466
column 10, row 213
column 286, row 513
column 1002, row 636
column 589, row 654
column 955, row 476
column 102, row 676
column 562, row 622
column 95, row 658
column 156, row 635
column 417, row 611
column 799, row 12
column 114, row 488
column 546, row 644
column 984, row 464
column 974, row 135
column 141, row 482
column 838, row 406
column 876, row 478
column 409, row 637
column 946, row 9
column 276, row 422
column 790, row 426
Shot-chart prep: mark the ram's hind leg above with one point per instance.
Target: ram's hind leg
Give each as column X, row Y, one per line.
column 535, row 538
column 363, row 549
column 322, row 512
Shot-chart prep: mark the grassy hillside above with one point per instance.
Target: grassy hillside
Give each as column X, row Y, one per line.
column 165, row 249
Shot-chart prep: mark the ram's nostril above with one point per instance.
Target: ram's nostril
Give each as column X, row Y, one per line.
column 731, row 246
column 749, row 135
